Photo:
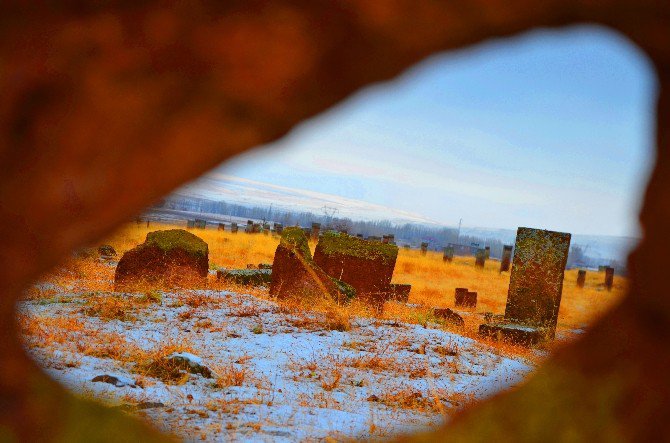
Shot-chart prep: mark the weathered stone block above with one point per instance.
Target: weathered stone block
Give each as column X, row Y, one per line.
column 367, row 266
column 506, row 259
column 246, row 277
column 296, row 276
column 513, row 333
column 609, row 278
column 581, row 278
column 424, row 248
column 171, row 258
column 449, row 316
column 199, row 223
column 536, row 283
column 221, row 227
column 464, row 298
column 480, row 258
column 448, row 254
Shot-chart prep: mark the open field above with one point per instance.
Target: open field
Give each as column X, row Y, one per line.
column 283, row 372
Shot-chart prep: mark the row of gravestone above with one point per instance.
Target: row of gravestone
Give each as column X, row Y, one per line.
column 346, row 266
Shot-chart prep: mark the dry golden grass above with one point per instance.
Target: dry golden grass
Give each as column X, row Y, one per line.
column 433, row 284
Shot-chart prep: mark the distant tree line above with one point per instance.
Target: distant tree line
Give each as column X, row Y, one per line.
column 410, row 234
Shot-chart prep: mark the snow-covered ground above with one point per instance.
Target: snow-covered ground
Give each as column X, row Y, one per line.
column 298, row 380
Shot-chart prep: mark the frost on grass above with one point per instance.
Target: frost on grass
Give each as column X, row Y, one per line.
column 270, row 373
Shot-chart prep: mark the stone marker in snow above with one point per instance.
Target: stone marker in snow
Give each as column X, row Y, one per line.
column 449, row 316
column 367, row 266
column 116, row 380
column 296, row 276
column 171, row 258
column 535, row 288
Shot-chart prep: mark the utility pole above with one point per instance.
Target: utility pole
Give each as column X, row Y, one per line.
column 458, row 236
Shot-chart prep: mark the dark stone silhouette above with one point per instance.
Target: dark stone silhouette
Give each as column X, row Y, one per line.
column 581, row 278
column 506, row 259
column 464, row 298
column 609, row 278
column 172, row 258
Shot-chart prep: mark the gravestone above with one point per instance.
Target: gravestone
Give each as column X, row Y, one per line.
column 256, row 228
column 464, row 298
column 367, row 266
column 200, row 223
column 221, row 227
column 250, row 227
column 581, row 278
column 487, row 252
column 424, row 248
column 506, row 259
column 448, row 254
column 609, row 277
column 295, row 275
column 480, row 258
column 233, row 228
column 279, row 228
column 535, row 288
column 190, row 224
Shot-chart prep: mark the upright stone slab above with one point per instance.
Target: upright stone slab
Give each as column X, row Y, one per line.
column 190, row 224
column 279, row 228
column 609, row 277
column 536, row 283
column 480, row 258
column 367, row 266
column 448, row 255
column 581, row 278
column 506, row 259
column 295, row 275
column 200, row 223
column 233, row 228
column 221, row 227
column 424, row 248
column 487, row 252
column 250, row 227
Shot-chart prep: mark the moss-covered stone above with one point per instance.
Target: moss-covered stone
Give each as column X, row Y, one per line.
column 177, row 239
column 338, row 243
column 345, row 288
column 294, row 238
column 251, row 277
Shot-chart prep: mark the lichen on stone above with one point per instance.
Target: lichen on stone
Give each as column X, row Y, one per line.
column 338, row 243
column 177, row 238
column 294, row 238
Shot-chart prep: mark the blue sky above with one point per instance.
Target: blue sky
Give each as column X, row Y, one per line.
column 551, row 130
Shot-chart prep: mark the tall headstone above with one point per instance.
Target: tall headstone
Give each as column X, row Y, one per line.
column 233, row 228
column 581, row 278
column 487, row 252
column 221, row 227
column 190, row 224
column 424, row 248
column 506, row 259
column 200, row 223
column 316, row 229
column 536, row 283
column 609, row 277
column 480, row 258
column 448, row 254
column 279, row 228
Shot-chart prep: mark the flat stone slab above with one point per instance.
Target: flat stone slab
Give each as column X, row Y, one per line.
column 513, row 333
column 246, row 277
